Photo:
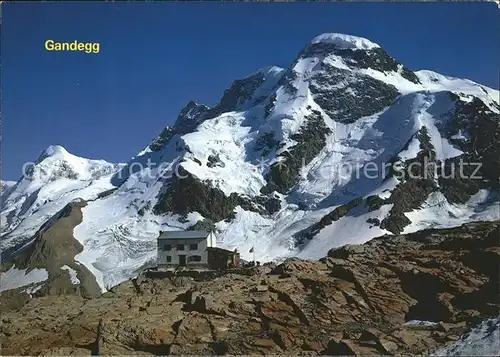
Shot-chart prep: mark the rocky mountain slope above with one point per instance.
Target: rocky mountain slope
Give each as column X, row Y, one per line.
column 395, row 295
column 344, row 145
column 47, row 265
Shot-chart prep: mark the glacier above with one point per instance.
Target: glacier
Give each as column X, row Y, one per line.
column 119, row 228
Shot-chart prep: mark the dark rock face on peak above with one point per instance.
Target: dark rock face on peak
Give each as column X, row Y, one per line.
column 311, row 139
column 251, row 90
column 191, row 115
column 374, row 58
column 247, row 91
column 416, row 183
column 162, row 140
column 189, row 118
column 186, row 193
column 346, row 96
column 240, row 91
column 470, row 126
column 475, row 129
column 301, row 237
column 359, row 300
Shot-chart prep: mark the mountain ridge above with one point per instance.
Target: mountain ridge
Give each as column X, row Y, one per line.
column 267, row 164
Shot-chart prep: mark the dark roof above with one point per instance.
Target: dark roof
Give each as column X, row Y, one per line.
column 183, row 234
column 222, row 250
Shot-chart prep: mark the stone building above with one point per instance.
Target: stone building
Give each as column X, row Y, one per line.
column 184, row 248
column 193, row 249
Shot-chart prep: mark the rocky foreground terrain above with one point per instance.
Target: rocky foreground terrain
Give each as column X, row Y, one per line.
column 359, row 300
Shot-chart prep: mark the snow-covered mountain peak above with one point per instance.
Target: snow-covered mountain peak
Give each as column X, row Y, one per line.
column 46, row 186
column 342, row 41
column 55, row 151
column 56, row 162
column 339, row 60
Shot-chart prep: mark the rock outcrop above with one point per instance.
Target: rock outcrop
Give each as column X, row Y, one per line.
column 52, row 249
column 359, row 300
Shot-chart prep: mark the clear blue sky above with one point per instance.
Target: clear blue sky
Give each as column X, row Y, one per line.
column 155, row 57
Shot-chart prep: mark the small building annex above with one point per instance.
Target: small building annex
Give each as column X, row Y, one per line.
column 193, row 249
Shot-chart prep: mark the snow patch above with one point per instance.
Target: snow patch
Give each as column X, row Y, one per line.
column 435, row 82
column 54, row 150
column 15, row 278
column 31, row 290
column 6, row 184
column 437, row 212
column 483, row 340
column 345, row 41
column 227, row 139
column 72, row 273
column 421, row 324
column 350, row 229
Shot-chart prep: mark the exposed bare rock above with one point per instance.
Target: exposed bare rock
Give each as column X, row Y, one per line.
column 359, row 300
column 53, row 248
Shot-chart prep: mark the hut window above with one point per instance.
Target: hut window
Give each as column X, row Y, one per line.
column 169, row 259
column 194, row 258
column 180, row 246
column 193, row 246
column 167, row 247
